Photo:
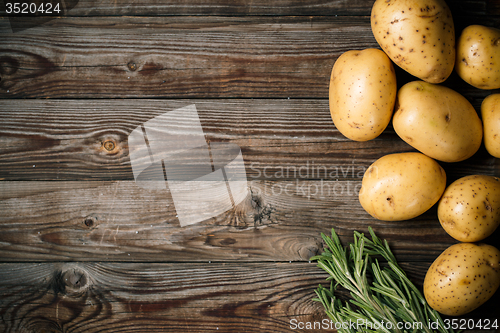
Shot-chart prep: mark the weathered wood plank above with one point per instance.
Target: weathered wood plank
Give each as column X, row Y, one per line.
column 251, row 8
column 179, row 57
column 190, row 297
column 87, row 139
column 217, row 297
column 232, row 8
column 119, row 221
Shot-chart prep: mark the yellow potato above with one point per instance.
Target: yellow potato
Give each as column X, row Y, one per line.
column 478, row 56
column 418, row 35
column 490, row 112
column 401, row 186
column 462, row 278
column 437, row 121
column 469, row 210
column 362, row 93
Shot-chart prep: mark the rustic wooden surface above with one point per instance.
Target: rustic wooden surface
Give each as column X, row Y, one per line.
column 83, row 249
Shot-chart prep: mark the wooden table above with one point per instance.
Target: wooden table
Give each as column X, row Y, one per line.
column 84, row 249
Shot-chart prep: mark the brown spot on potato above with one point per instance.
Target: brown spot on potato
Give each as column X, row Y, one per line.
column 441, row 272
column 355, row 125
column 464, row 282
column 487, row 205
column 450, row 223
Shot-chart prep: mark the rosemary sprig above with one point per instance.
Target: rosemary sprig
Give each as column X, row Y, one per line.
column 383, row 298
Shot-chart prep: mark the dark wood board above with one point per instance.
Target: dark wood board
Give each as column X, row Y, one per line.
column 279, row 220
column 250, row 8
column 87, row 139
column 84, row 249
column 182, row 57
column 186, row 297
column 222, row 57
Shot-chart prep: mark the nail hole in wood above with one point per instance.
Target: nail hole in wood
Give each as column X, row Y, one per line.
column 89, row 221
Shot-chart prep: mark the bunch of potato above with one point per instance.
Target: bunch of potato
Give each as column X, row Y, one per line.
column 441, row 124
column 466, row 274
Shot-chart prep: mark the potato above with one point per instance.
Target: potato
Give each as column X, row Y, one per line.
column 362, row 93
column 418, row 35
column 401, row 186
column 490, row 112
column 437, row 121
column 462, row 278
column 469, row 209
column 478, row 56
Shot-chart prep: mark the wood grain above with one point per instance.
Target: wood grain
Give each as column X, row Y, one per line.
column 119, row 221
column 179, row 57
column 189, row 297
column 252, row 8
column 84, row 249
column 78, row 297
column 182, row 56
column 87, row 139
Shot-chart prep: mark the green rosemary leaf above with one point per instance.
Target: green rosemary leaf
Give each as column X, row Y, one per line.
column 383, row 299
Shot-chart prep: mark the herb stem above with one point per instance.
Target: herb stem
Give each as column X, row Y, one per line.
column 383, row 299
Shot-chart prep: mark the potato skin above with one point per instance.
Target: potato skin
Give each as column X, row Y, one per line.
column 478, row 56
column 490, row 113
column 418, row 35
column 362, row 93
column 469, row 209
column 401, row 186
column 437, row 121
column 462, row 278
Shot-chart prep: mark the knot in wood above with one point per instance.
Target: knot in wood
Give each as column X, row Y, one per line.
column 307, row 252
column 132, row 66
column 262, row 212
column 44, row 325
column 8, row 65
column 73, row 282
column 109, row 145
